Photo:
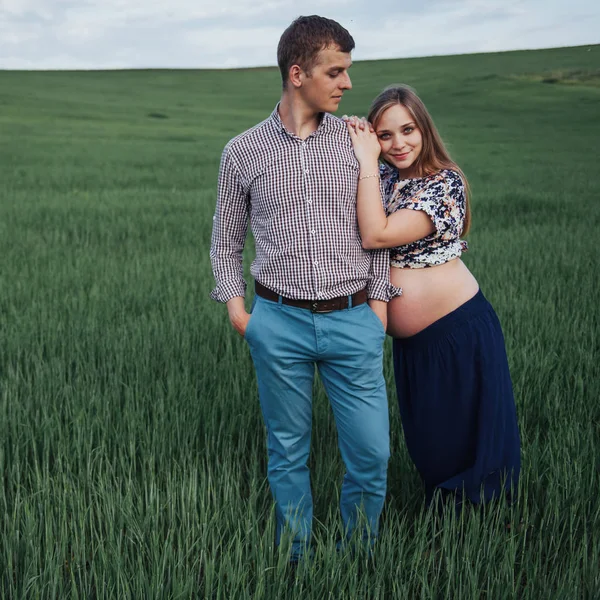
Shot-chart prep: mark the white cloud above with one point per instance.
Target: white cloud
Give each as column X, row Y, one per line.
column 232, row 39
column 474, row 26
column 198, row 33
column 50, row 62
column 22, row 8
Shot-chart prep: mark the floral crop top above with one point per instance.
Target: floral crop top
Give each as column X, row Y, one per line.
column 442, row 197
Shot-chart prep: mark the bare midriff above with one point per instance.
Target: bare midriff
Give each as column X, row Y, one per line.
column 427, row 295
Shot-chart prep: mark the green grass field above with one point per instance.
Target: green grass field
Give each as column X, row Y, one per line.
column 132, row 448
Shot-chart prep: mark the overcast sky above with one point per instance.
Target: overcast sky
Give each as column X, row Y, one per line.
column 109, row 34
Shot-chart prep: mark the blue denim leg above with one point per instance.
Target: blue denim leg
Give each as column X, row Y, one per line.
column 351, row 368
column 347, row 346
column 282, row 345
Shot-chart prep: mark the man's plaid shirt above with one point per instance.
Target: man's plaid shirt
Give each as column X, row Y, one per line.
column 300, row 198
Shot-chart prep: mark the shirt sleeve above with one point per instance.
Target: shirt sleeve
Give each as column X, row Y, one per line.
column 443, row 200
column 230, row 225
column 379, row 286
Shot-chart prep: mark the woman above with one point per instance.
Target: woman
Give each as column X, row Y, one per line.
column 452, row 377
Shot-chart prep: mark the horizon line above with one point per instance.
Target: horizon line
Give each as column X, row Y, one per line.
column 262, row 67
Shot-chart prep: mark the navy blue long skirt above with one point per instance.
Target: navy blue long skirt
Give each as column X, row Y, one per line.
column 457, row 405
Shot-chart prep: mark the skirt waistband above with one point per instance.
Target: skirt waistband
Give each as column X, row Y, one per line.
column 474, row 307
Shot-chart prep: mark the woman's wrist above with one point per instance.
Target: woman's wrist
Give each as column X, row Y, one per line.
column 368, row 168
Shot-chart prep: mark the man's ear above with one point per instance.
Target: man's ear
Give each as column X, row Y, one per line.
column 296, row 76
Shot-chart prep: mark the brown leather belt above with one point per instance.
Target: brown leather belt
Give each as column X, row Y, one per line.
column 316, row 306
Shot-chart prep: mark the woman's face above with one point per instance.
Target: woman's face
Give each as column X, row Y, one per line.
column 400, row 139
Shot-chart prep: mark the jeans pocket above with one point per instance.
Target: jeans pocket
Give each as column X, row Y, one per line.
column 377, row 319
column 253, row 311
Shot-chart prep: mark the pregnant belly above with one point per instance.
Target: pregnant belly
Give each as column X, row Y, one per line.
column 428, row 295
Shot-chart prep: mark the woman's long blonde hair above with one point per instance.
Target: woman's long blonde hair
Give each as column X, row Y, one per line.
column 433, row 156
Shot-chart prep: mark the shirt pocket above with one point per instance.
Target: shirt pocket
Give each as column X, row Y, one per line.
column 275, row 190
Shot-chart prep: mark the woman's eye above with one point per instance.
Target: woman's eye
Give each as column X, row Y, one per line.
column 384, row 136
column 408, row 130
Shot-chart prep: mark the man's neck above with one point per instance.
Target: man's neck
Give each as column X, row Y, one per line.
column 296, row 117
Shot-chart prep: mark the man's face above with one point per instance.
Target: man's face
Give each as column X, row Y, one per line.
column 323, row 87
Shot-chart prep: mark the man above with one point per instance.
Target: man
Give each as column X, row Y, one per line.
column 294, row 176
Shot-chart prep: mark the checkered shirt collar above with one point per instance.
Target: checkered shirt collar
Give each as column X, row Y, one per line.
column 325, row 126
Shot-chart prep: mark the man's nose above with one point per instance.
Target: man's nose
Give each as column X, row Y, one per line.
column 346, row 83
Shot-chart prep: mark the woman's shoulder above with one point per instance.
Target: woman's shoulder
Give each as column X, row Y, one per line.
column 450, row 175
column 448, row 179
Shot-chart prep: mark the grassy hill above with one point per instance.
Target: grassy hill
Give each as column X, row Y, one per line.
column 131, row 442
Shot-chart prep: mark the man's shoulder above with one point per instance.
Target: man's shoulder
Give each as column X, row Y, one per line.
column 338, row 128
column 338, row 141
column 249, row 138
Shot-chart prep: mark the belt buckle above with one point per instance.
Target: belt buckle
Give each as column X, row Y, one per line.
column 314, row 308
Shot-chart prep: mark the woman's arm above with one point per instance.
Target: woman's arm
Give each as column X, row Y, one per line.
column 376, row 229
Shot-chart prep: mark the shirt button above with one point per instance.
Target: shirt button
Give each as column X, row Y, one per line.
column 306, row 171
column 309, row 202
column 312, row 231
column 316, row 263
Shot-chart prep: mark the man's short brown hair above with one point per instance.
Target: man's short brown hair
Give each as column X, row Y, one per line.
column 302, row 41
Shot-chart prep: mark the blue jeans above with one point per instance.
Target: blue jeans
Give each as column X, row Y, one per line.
column 346, row 346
